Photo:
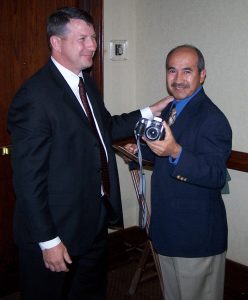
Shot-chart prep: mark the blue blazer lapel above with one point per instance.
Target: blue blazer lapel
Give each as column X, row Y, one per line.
column 185, row 117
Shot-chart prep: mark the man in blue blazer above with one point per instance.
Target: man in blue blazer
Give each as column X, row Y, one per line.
column 62, row 211
column 188, row 225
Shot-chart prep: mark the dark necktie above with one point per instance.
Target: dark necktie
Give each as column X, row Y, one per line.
column 104, row 163
column 172, row 115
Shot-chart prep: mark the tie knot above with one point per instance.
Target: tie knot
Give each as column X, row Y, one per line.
column 81, row 82
column 173, row 106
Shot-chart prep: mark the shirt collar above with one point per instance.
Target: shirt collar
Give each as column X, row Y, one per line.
column 180, row 104
column 70, row 77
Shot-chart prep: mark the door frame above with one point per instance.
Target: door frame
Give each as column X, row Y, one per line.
column 95, row 9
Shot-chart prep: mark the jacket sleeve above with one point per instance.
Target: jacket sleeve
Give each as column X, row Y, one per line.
column 204, row 163
column 31, row 141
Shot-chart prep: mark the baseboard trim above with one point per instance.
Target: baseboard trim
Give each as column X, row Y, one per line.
column 236, row 280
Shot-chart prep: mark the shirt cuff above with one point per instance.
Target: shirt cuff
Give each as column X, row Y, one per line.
column 50, row 244
column 146, row 113
column 174, row 161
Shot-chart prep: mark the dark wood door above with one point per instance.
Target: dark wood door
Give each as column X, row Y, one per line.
column 23, row 50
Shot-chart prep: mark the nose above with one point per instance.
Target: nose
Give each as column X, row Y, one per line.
column 91, row 43
column 179, row 77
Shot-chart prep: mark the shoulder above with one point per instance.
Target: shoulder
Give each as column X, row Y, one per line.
column 89, row 81
column 206, row 105
column 206, row 115
column 211, row 115
column 37, row 93
column 41, row 84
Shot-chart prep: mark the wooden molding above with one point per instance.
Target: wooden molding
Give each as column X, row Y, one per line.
column 95, row 8
column 238, row 161
column 236, row 277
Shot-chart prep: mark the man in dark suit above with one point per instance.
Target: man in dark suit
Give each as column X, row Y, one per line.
column 188, row 225
column 62, row 207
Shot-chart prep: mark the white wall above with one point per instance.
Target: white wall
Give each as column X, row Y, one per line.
column 152, row 28
column 120, row 85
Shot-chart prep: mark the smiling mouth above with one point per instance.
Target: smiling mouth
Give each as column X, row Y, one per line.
column 179, row 86
column 89, row 54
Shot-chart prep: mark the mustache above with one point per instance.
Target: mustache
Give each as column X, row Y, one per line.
column 180, row 85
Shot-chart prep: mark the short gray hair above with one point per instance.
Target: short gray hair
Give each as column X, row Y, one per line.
column 201, row 60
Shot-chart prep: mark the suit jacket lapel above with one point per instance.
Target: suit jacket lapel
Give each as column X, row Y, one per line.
column 68, row 95
column 95, row 106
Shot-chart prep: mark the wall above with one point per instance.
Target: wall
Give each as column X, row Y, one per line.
column 120, row 85
column 152, row 28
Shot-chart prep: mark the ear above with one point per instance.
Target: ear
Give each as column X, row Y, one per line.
column 203, row 75
column 55, row 43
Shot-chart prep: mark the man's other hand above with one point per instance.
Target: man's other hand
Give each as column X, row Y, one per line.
column 56, row 258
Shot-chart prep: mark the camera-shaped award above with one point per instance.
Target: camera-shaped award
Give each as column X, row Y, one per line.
column 152, row 130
